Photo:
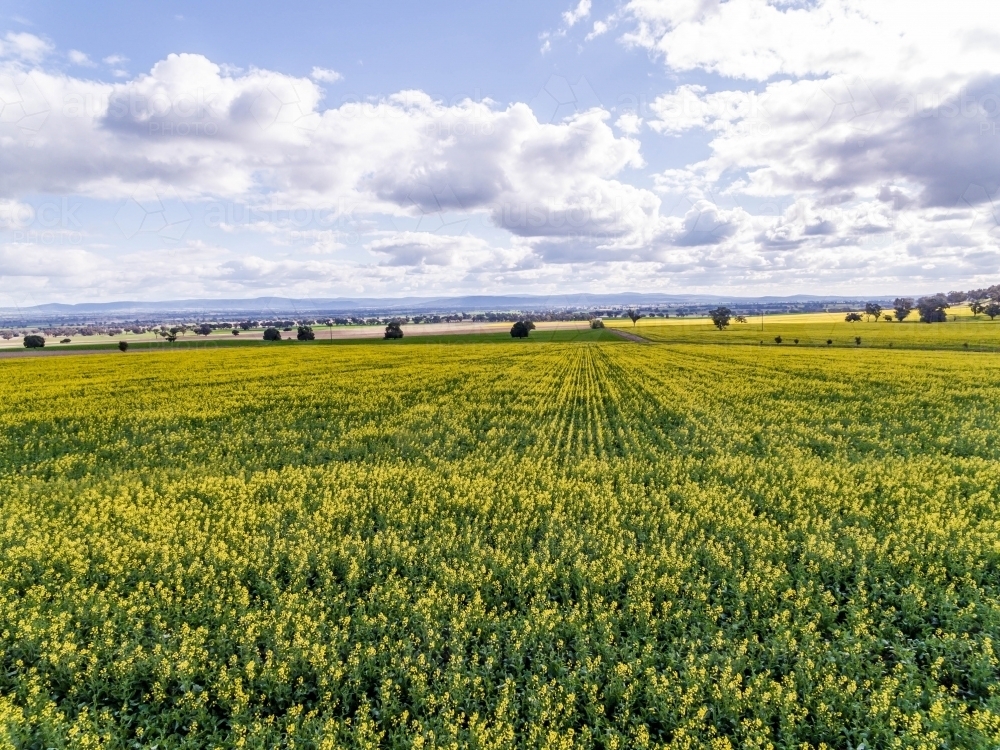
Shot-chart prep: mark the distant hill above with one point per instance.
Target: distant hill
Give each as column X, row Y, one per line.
column 264, row 306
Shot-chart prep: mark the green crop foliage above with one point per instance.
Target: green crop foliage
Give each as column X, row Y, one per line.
column 563, row 544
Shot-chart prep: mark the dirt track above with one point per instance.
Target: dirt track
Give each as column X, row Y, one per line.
column 628, row 336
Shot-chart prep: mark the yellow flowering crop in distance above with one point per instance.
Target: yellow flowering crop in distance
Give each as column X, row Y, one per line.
column 594, row 545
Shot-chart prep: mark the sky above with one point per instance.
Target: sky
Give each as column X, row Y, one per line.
column 381, row 149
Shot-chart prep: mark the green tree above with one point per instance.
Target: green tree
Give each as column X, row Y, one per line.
column 394, row 330
column 305, row 333
column 272, row 334
column 902, row 307
column 873, row 309
column 992, row 309
column 34, row 341
column 853, row 317
column 720, row 317
column 519, row 330
column 932, row 308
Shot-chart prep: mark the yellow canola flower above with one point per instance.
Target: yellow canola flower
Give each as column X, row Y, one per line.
column 564, row 545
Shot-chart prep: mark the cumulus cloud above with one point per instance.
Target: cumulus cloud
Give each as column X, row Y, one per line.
column 759, row 39
column 629, row 123
column 875, row 124
column 892, row 96
column 325, row 75
column 841, row 135
column 189, row 126
column 80, row 58
column 427, row 249
column 821, row 164
column 24, row 46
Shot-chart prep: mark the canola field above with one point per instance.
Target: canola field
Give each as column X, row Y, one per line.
column 963, row 331
column 548, row 545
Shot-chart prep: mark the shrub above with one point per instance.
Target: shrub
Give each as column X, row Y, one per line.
column 829, row 341
column 66, row 341
column 236, row 331
column 306, row 333
column 272, row 334
column 123, row 346
column 394, row 330
column 34, row 341
column 857, row 341
column 777, row 339
column 596, row 323
column 852, row 317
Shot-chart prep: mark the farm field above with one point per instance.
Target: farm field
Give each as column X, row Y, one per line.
column 566, row 543
column 543, row 335
column 815, row 329
column 224, row 336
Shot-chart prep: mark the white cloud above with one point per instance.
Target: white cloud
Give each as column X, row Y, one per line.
column 840, row 135
column 325, row 75
column 80, row 58
column 758, row 39
column 600, row 27
column 629, row 123
column 189, row 126
column 24, row 46
column 427, row 249
column 581, row 11
column 115, row 59
column 854, row 179
column 873, row 123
